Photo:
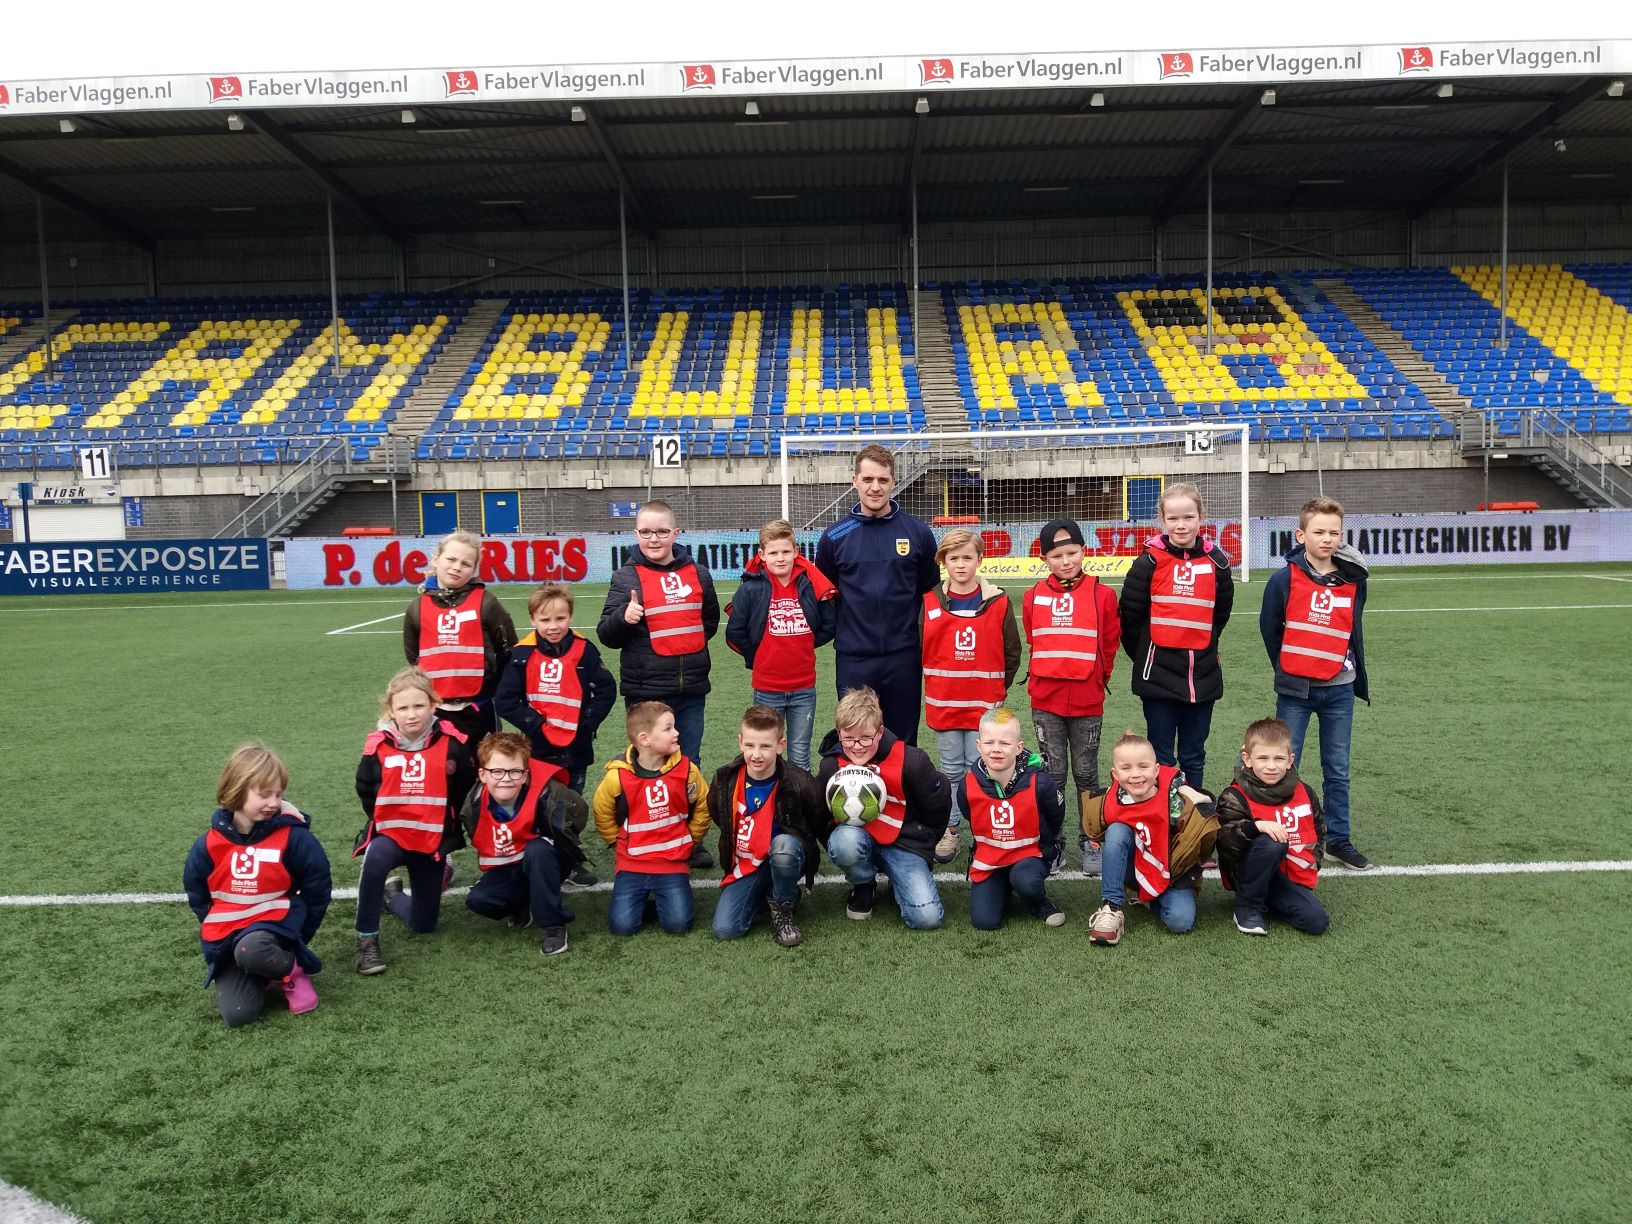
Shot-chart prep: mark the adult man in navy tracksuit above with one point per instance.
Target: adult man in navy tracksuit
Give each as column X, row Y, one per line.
column 882, row 559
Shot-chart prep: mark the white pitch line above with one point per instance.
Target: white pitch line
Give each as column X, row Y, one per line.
column 1606, row 578
column 188, row 607
column 18, row 1206
column 1515, row 608
column 1393, row 576
column 363, row 624
column 1548, row 867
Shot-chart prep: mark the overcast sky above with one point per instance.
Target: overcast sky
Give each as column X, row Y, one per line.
column 130, row 37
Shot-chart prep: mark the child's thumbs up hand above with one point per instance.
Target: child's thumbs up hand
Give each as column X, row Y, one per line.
column 634, row 612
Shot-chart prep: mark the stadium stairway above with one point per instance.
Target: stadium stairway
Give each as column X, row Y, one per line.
column 443, row 378
column 937, row 371
column 20, row 341
column 1445, row 399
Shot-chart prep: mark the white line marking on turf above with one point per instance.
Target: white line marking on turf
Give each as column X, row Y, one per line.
column 188, row 607
column 1516, row 608
column 1548, row 867
column 18, row 1206
column 1531, row 577
column 362, row 624
column 1606, row 578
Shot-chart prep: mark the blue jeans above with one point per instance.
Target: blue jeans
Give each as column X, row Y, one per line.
column 799, row 708
column 671, row 891
column 1333, row 705
column 861, row 859
column 958, row 756
column 1187, row 722
column 688, row 720
column 1263, row 889
column 777, row 878
column 1176, row 907
column 989, row 897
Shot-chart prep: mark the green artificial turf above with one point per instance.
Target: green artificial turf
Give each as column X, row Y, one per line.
column 1452, row 1049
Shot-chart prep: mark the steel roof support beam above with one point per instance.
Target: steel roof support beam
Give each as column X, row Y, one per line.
column 42, row 186
column 314, row 165
column 631, row 197
column 1210, row 156
column 1495, row 154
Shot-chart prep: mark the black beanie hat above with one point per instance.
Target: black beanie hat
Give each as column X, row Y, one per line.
column 1056, row 532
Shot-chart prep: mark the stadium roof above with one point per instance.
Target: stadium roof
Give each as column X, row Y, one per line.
column 149, row 176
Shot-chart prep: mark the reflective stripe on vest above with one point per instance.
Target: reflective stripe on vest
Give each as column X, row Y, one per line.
column 1006, row 830
column 656, row 833
column 1153, row 823
column 556, row 692
column 1063, row 629
column 498, row 843
column 963, row 663
column 411, row 807
column 1182, row 591
column 248, row 884
column 1319, row 622
column 1297, row 817
column 751, row 831
column 673, row 600
column 451, row 646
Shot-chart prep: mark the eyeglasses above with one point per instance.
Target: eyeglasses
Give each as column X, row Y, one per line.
column 860, row 741
column 655, row 533
column 506, row 775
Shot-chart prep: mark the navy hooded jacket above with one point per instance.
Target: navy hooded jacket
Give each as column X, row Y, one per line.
column 883, row 567
column 1272, row 616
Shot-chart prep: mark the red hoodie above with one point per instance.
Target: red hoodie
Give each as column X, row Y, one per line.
column 785, row 660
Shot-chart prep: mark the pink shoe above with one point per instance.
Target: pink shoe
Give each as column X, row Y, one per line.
column 298, row 991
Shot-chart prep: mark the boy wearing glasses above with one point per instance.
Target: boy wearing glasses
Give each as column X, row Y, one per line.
column 524, row 822
column 659, row 614
column 900, row 841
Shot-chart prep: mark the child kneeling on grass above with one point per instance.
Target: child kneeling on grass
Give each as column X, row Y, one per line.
column 1157, row 833
column 769, row 814
column 652, row 807
column 415, row 769
column 1271, row 836
column 524, row 822
column 1016, row 815
column 900, row 840
column 259, row 882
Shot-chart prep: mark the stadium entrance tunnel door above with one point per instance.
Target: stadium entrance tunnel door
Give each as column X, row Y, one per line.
column 501, row 513
column 438, row 513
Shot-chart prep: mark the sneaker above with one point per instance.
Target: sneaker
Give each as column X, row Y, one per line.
column 1105, row 927
column 1092, row 857
column 783, row 928
column 947, row 848
column 393, row 888
column 1048, row 913
column 579, row 878
column 1345, row 853
column 859, row 904
column 519, row 922
column 1249, row 922
column 700, row 857
column 298, row 991
column 447, row 874
column 554, row 942
column 369, row 961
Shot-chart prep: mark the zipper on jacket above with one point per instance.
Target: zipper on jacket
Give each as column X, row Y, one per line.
column 1192, row 669
column 1150, row 659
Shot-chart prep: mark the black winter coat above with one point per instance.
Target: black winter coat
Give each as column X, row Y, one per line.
column 461, row 777
column 1236, row 829
column 1164, row 671
column 928, row 797
column 1272, row 616
column 643, row 674
column 498, row 632
column 600, row 692
column 799, row 811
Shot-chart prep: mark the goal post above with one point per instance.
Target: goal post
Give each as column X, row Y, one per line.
column 1006, row 484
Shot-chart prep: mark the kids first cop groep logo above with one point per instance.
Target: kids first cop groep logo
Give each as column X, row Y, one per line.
column 245, row 865
column 447, row 625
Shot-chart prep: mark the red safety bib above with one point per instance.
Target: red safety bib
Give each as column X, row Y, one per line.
column 656, row 836
column 751, row 844
column 1297, row 817
column 248, row 884
column 412, row 805
column 1319, row 622
column 1063, row 629
column 886, row 826
column 1006, row 830
column 555, row 691
column 673, row 600
column 963, row 663
column 1153, row 822
column 451, row 646
column 499, row 843
column 1181, row 600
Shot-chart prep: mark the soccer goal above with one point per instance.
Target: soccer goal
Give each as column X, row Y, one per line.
column 1006, row 484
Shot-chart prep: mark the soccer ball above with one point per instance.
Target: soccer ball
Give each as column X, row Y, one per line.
column 855, row 794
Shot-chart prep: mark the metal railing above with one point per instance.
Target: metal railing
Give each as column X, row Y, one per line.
column 1544, row 434
column 302, row 485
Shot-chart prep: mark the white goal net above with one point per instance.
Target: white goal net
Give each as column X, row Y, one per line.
column 1007, row 484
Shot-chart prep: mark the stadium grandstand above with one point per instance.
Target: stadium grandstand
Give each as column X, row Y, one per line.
column 325, row 315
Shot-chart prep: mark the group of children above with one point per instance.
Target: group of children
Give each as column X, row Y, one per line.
column 436, row 775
